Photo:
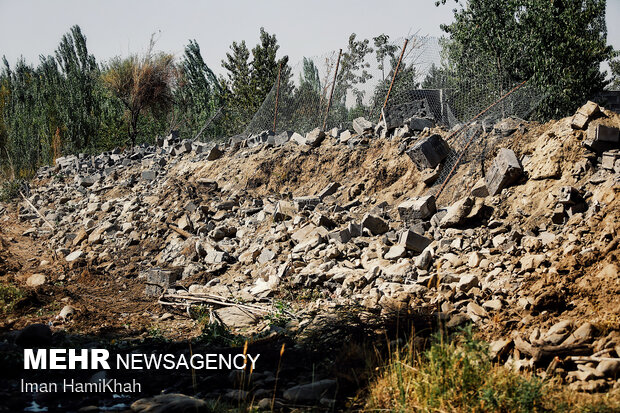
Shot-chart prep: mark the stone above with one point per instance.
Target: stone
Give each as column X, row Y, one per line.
column 416, row 113
column 298, row 139
column 86, row 181
column 34, row 336
column 429, row 176
column 74, row 256
column 235, row 317
column 170, row 402
column 266, row 255
column 375, row 225
column 504, row 171
column 609, row 368
column 345, row 136
column 306, row 202
column 530, row 262
column 492, row 305
column 315, row 137
column 558, row 332
column 216, row 257
column 311, row 392
column 343, row 235
column 148, row 175
column 36, row 280
column 498, row 348
column 354, row 229
column 395, row 252
column 417, row 208
column 418, row 124
column 480, row 189
column 158, row 281
column 330, row 189
column 457, row 213
column 609, row 159
column 474, row 259
column 584, row 114
column 66, row 313
column 413, row 241
column 282, row 138
column 428, row 152
column 214, row 153
column 583, row 334
column 361, row 125
column 467, row 282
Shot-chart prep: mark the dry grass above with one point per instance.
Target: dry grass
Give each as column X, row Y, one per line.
column 457, row 375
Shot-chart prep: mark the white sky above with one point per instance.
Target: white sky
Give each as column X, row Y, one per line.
column 302, row 27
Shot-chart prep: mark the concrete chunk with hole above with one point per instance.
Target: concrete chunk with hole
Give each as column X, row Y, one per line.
column 506, row 170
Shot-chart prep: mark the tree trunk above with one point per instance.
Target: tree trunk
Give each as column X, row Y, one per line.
column 134, row 127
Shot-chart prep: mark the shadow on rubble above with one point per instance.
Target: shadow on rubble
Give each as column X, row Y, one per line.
column 322, row 367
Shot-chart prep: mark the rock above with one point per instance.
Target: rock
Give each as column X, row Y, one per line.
column 610, row 368
column 492, row 305
column 375, row 225
column 395, row 252
column 584, row 114
column 467, row 282
column 610, row 159
column 423, row 261
column 456, row 213
column 413, row 241
column 170, row 403
column 416, row 112
column 428, row 152
column 158, row 281
column 36, row 280
column 266, row 255
column 214, row 153
column 66, row 313
column 601, row 138
column 311, row 392
column 498, row 348
column 345, row 136
column 342, row 236
column 148, row 175
column 480, row 189
column 417, row 208
column 558, row 332
column 34, row 336
column 329, row 190
column 361, row 125
column 504, row 171
column 583, row 334
column 235, row 317
column 315, row 137
column 429, row 176
column 282, row 137
column 474, row 259
column 298, row 139
column 74, row 256
column 530, row 262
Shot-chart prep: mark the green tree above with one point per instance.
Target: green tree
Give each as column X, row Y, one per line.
column 614, row 84
column 558, row 44
column 198, row 92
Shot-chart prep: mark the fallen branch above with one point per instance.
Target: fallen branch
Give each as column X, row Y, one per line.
column 592, row 358
column 36, row 210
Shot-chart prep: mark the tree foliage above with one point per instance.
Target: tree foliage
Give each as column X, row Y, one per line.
column 559, row 44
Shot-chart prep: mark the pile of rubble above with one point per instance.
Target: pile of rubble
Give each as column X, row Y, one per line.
column 513, row 250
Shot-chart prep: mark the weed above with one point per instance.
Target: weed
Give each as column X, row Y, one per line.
column 9, row 296
column 9, row 190
column 280, row 316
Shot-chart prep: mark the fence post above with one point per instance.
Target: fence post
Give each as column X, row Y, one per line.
column 331, row 94
column 275, row 115
column 393, row 78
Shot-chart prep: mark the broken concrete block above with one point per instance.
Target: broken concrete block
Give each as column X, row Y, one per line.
column 298, row 139
column 429, row 176
column 413, row 241
column 158, row 281
column 354, row 229
column 315, row 137
column 375, row 225
column 480, row 189
column 148, row 175
column 419, row 124
column 342, row 235
column 345, row 136
column 361, row 125
column 282, row 137
column 569, row 196
column 607, row 134
column 584, row 114
column 429, row 152
column 505, row 170
column 306, row 202
column 601, row 138
column 330, row 189
column 417, row 208
column 609, row 159
column 214, row 153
